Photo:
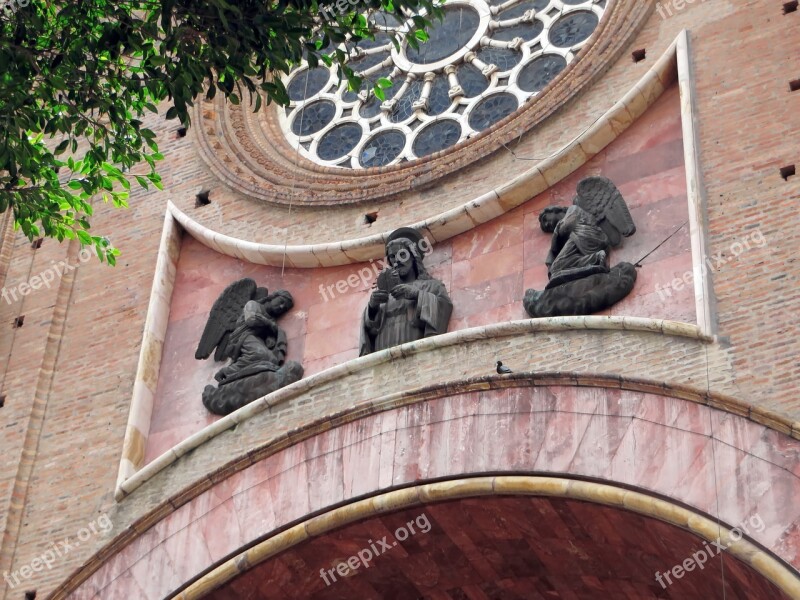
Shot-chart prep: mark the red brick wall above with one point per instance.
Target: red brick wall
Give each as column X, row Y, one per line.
column 68, row 371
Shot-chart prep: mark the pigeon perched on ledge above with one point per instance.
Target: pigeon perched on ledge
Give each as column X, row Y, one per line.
column 502, row 369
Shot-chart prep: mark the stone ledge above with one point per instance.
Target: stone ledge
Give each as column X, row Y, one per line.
column 455, row 338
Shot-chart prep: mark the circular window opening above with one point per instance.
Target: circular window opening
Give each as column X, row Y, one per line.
column 446, row 37
column 382, row 148
column 477, row 68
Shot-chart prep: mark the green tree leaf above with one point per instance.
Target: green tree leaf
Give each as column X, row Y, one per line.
column 78, row 78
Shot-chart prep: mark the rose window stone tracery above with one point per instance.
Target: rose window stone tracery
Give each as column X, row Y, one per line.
column 485, row 60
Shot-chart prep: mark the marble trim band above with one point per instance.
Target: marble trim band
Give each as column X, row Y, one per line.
column 554, row 487
column 148, row 366
column 698, row 228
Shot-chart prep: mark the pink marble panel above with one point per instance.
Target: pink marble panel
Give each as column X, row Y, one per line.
column 654, row 456
column 507, row 231
column 255, row 508
column 188, row 550
column 788, row 547
column 622, row 403
column 412, row 447
column 361, row 457
column 290, row 492
column 602, row 439
column 388, row 450
column 513, row 311
column 125, row 588
column 672, row 412
column 561, row 442
column 766, row 444
column 155, row 574
column 221, row 531
column 324, row 466
column 663, row 125
column 487, row 267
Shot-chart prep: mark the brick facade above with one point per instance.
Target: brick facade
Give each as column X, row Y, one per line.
column 68, row 372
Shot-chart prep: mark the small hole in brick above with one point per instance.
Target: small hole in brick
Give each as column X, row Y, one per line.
column 787, row 172
column 794, row 85
column 639, row 55
column 790, row 7
column 37, row 243
column 371, row 217
column 202, row 199
column 19, row 321
column 181, row 132
column 31, row 595
column 2, row 400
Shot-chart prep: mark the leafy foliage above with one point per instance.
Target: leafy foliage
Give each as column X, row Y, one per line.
column 77, row 77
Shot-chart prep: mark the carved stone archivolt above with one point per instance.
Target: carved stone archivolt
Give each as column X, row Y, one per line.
column 249, row 152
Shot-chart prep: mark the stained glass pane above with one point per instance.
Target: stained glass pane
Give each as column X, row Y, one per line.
column 446, row 37
column 439, row 100
column 437, row 136
column 537, row 74
column 339, row 141
column 383, row 19
column 527, row 31
column 382, row 149
column 313, row 117
column 573, row 29
column 404, row 109
column 371, row 108
column 381, row 39
column 307, row 83
column 472, row 80
column 520, row 9
column 504, row 58
column 491, row 109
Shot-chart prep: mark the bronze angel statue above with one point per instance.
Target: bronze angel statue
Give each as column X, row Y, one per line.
column 581, row 282
column 242, row 327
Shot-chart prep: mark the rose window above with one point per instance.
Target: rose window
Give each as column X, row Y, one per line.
column 483, row 61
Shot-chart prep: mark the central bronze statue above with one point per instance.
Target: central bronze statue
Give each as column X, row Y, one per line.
column 407, row 304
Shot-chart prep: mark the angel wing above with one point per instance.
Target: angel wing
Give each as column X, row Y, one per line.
column 600, row 197
column 223, row 316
